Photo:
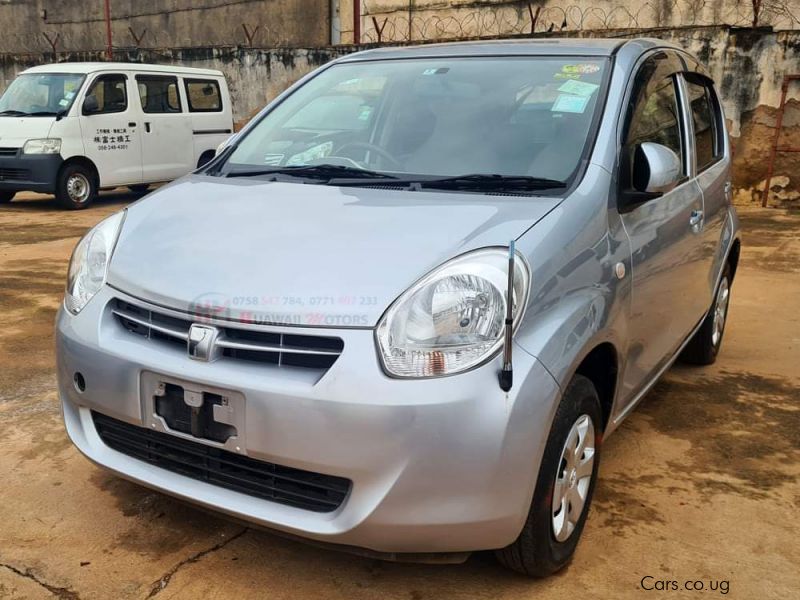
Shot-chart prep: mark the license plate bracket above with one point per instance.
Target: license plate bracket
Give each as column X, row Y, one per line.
column 205, row 414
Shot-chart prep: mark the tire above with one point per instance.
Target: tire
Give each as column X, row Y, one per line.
column 139, row 188
column 704, row 346
column 76, row 187
column 548, row 541
column 6, row 196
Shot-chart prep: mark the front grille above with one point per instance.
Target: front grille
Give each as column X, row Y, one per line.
column 18, row 174
column 294, row 487
column 281, row 349
column 8, row 151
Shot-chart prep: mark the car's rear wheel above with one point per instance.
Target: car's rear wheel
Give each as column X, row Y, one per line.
column 6, row 196
column 76, row 187
column 564, row 487
column 704, row 346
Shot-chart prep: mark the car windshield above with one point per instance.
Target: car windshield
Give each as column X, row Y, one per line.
column 40, row 94
column 524, row 117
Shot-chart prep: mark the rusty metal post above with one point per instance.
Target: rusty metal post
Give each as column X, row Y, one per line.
column 356, row 21
column 773, row 153
column 109, row 47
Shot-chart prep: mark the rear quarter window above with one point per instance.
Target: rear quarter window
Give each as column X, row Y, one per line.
column 203, row 95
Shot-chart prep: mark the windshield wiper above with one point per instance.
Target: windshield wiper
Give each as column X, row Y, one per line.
column 324, row 172
column 13, row 113
column 493, row 183
column 471, row 182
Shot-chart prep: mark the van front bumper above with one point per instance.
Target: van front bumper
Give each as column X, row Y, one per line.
column 441, row 465
column 29, row 172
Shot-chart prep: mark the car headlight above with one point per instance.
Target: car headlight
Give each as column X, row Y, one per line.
column 452, row 319
column 42, row 146
column 88, row 266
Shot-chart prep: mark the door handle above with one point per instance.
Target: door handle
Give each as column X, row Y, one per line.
column 131, row 124
column 147, row 127
column 696, row 219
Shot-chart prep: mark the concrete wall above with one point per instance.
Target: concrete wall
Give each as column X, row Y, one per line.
column 447, row 19
column 748, row 65
column 79, row 25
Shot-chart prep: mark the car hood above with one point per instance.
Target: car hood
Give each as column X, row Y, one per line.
column 15, row 131
column 289, row 253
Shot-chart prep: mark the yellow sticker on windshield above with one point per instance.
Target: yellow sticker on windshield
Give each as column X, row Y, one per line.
column 581, row 69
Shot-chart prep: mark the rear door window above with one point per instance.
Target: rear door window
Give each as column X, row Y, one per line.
column 706, row 123
column 159, row 94
column 203, row 95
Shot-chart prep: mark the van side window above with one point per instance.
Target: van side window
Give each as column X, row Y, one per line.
column 203, row 95
column 707, row 142
column 111, row 93
column 159, row 94
column 654, row 115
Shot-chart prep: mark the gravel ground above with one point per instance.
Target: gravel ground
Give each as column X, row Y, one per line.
column 699, row 484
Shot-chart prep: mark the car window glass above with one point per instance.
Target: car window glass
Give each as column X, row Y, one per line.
column 111, row 93
column 656, row 117
column 203, row 95
column 436, row 117
column 705, row 125
column 158, row 94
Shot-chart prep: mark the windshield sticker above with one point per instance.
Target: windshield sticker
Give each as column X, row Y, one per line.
column 437, row 71
column 303, row 158
column 581, row 69
column 566, row 103
column 70, row 95
column 578, row 88
column 63, row 102
column 365, row 113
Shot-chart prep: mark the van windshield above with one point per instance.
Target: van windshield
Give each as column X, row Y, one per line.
column 40, row 94
column 522, row 117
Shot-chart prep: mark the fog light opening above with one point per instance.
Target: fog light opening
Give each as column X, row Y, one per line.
column 80, row 382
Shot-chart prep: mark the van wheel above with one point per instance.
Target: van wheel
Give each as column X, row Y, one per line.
column 6, row 196
column 564, row 486
column 704, row 346
column 139, row 188
column 76, row 187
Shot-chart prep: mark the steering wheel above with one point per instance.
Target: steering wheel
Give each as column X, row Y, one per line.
column 372, row 148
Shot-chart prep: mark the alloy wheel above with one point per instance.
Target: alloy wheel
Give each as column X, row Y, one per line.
column 720, row 311
column 573, row 478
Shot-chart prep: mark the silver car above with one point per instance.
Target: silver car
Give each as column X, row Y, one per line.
column 402, row 309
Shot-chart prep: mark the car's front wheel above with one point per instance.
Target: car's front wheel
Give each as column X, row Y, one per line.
column 6, row 196
column 564, row 487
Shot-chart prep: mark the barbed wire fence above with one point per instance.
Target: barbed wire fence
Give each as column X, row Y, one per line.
column 431, row 21
column 497, row 19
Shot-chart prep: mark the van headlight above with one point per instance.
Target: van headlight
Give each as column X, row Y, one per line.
column 42, row 146
column 88, row 266
column 452, row 319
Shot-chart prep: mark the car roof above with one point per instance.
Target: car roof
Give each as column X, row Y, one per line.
column 548, row 46
column 93, row 67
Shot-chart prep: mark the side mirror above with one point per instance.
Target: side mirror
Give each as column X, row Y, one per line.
column 90, row 105
column 656, row 168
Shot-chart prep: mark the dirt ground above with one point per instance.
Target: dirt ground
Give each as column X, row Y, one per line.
column 700, row 484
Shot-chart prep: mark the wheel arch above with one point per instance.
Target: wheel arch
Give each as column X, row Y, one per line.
column 84, row 162
column 206, row 157
column 733, row 257
column 601, row 366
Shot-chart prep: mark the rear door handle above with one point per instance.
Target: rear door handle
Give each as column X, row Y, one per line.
column 147, row 127
column 696, row 219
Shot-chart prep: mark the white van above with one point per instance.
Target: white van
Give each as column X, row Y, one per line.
column 73, row 128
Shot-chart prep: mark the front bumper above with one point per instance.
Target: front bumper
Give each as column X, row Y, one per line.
column 437, row 465
column 29, row 172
